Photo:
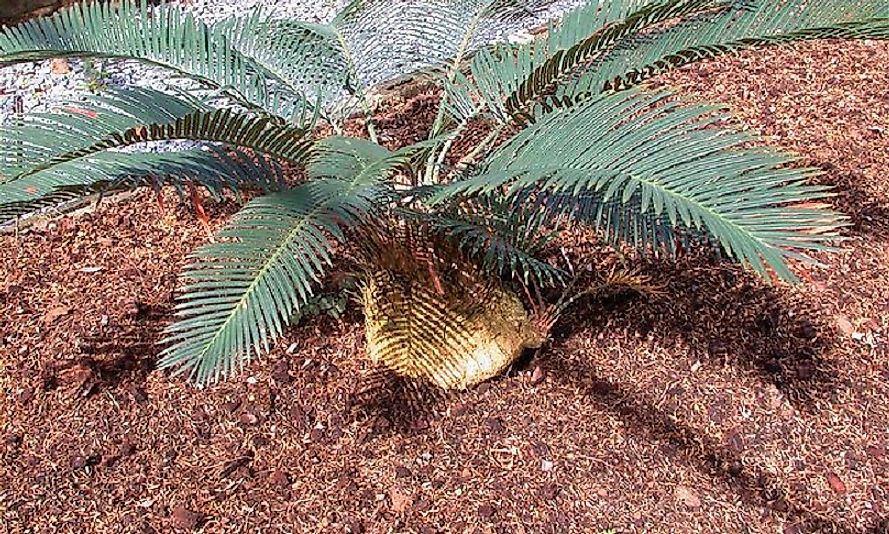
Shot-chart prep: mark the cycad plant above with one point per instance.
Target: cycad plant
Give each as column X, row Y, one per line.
column 447, row 242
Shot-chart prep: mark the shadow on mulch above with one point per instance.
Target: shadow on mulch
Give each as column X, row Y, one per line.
column 869, row 216
column 753, row 484
column 731, row 318
column 725, row 315
column 121, row 357
column 405, row 405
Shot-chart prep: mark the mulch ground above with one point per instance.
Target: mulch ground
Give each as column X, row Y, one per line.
column 725, row 405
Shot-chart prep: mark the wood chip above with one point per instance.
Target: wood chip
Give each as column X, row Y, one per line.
column 836, row 484
column 60, row 66
column 687, row 496
column 401, row 501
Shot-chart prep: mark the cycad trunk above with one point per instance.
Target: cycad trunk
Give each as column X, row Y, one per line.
column 453, row 334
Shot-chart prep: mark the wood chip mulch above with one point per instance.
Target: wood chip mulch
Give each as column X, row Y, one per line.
column 725, row 405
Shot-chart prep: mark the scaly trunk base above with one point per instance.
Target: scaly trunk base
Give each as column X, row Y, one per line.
column 453, row 337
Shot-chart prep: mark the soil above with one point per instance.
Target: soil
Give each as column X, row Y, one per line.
column 723, row 405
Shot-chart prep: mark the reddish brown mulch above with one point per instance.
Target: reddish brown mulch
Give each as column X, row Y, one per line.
column 724, row 406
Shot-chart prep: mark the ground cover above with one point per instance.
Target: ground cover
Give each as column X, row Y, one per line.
column 724, row 405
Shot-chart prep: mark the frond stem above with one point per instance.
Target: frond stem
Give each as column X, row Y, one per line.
column 359, row 90
column 434, row 171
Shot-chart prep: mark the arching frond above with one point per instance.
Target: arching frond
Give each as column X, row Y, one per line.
column 211, row 168
column 344, row 157
column 509, row 79
column 666, row 164
column 630, row 40
column 501, row 235
column 38, row 139
column 624, row 222
column 68, row 149
column 297, row 57
column 390, row 38
column 748, row 24
column 241, row 292
column 561, row 63
column 164, row 35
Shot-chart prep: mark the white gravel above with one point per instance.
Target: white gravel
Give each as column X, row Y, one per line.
column 308, row 10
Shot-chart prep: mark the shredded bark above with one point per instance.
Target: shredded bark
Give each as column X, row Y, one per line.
column 723, row 405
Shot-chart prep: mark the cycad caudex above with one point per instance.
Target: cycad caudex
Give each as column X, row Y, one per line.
column 445, row 322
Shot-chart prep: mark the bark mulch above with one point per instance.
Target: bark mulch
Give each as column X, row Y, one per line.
column 725, row 405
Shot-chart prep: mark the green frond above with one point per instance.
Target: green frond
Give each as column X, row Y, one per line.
column 262, row 134
column 299, row 58
column 501, row 235
column 211, row 168
column 344, row 157
column 458, row 102
column 241, row 291
column 616, row 43
column 388, row 39
column 509, row 79
column 748, row 24
column 165, row 35
column 623, row 222
column 561, row 64
column 665, row 163
column 38, row 140
column 71, row 149
column 334, row 64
